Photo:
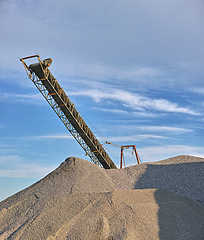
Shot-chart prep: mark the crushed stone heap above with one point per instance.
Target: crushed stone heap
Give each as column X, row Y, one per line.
column 182, row 174
column 79, row 200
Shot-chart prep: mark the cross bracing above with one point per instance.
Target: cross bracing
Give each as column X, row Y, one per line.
column 51, row 90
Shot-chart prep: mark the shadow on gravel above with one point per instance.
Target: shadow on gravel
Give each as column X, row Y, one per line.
column 186, row 179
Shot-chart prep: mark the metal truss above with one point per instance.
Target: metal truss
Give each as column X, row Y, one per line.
column 66, row 111
column 62, row 117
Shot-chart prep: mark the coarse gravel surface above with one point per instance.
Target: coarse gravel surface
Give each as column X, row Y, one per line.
column 182, row 174
column 79, row 200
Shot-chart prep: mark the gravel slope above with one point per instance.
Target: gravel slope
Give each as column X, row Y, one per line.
column 79, row 200
column 182, row 174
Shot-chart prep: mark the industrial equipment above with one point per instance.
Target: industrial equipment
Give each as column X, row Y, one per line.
column 133, row 150
column 50, row 88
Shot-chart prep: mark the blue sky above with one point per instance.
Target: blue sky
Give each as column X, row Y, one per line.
column 133, row 69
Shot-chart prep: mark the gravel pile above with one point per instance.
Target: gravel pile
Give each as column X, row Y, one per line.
column 79, row 200
column 74, row 175
column 182, row 174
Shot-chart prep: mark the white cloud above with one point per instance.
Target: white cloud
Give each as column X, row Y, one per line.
column 156, row 153
column 61, row 136
column 135, row 101
column 110, row 40
column 101, row 72
column 17, row 167
column 43, row 137
column 22, row 98
column 197, row 90
column 164, row 129
column 138, row 137
column 120, row 111
column 27, row 171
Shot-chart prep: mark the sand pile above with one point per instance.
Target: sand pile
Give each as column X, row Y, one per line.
column 79, row 200
column 182, row 174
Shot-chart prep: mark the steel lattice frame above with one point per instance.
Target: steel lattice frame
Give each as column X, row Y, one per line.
column 66, row 111
column 62, row 116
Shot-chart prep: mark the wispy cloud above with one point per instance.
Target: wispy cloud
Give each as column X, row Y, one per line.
column 42, row 137
column 119, row 38
column 22, row 98
column 164, row 129
column 120, row 111
column 131, row 100
column 61, row 136
column 135, row 101
column 16, row 167
column 197, row 90
column 148, row 132
column 101, row 72
column 134, row 138
column 156, row 153
column 27, row 171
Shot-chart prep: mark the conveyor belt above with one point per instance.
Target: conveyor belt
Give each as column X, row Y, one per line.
column 65, row 109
